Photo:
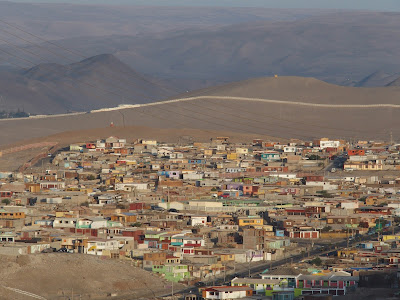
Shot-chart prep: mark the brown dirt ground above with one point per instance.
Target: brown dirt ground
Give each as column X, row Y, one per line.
column 53, row 275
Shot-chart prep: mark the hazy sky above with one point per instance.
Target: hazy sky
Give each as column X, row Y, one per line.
column 382, row 5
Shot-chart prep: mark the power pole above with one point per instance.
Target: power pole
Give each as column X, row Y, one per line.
column 391, row 137
column 392, row 225
column 224, row 272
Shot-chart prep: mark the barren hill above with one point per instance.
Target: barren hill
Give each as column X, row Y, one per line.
column 317, row 46
column 303, row 89
column 378, row 78
column 59, row 275
column 395, row 82
column 95, row 82
column 286, row 107
column 66, row 20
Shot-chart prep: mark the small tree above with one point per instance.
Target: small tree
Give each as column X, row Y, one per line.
column 6, row 201
column 316, row 261
column 326, row 229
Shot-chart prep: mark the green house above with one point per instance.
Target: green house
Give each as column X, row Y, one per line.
column 173, row 272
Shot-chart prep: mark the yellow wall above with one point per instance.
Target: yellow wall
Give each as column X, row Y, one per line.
column 333, row 235
column 231, row 156
column 390, row 237
column 251, row 222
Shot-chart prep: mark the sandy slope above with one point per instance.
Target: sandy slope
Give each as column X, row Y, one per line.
column 279, row 119
column 53, row 275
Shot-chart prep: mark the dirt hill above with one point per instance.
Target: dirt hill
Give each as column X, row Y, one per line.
column 287, row 107
column 54, row 275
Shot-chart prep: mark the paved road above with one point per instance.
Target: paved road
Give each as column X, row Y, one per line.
column 337, row 163
column 256, row 269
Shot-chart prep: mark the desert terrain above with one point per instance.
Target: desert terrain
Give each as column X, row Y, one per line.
column 306, row 108
column 59, row 275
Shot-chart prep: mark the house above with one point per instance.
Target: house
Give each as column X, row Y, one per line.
column 258, row 286
column 250, row 190
column 173, row 272
column 288, row 274
column 98, row 246
column 250, row 221
column 304, row 234
column 270, row 156
column 46, row 185
column 332, row 284
column 253, row 238
column 227, row 292
column 198, row 220
column 11, row 215
column 64, row 223
column 124, row 218
column 7, row 237
column 154, row 259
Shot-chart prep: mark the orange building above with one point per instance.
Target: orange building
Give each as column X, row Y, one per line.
column 352, row 152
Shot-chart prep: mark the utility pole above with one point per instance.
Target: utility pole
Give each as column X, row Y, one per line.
column 391, row 138
column 250, row 260
column 392, row 225
column 224, row 272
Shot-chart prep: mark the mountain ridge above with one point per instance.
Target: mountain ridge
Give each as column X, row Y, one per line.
column 95, row 82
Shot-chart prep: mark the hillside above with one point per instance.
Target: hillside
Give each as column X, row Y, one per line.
column 378, row 78
column 286, row 107
column 67, row 20
column 303, row 89
column 395, row 82
column 315, row 46
column 225, row 45
column 54, row 275
column 96, row 82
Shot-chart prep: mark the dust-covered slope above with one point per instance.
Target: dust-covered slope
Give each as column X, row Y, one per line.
column 302, row 89
column 286, row 107
column 55, row 275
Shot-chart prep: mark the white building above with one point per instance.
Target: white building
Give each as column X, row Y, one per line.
column 96, row 247
column 64, row 223
column 227, row 292
column 198, row 220
column 289, row 149
column 329, row 144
